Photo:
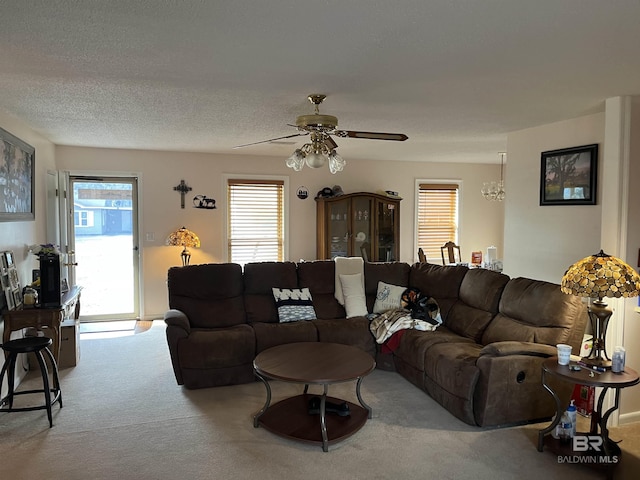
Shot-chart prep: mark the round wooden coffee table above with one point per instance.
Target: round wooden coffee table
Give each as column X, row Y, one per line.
column 312, row 363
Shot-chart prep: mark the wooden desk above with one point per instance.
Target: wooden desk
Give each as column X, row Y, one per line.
column 47, row 320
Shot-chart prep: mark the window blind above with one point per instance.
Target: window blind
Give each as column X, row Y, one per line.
column 437, row 218
column 255, row 220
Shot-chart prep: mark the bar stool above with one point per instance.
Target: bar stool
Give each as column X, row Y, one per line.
column 35, row 345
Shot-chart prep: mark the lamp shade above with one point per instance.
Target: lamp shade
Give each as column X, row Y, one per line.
column 599, row 276
column 183, row 238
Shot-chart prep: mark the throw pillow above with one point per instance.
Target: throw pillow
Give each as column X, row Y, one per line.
column 355, row 302
column 294, row 304
column 388, row 297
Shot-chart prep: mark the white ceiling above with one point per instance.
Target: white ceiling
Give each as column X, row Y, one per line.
column 454, row 75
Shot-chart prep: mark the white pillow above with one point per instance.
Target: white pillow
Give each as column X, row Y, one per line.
column 388, row 297
column 353, row 292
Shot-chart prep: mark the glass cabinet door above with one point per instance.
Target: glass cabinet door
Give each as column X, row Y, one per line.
column 386, row 235
column 362, row 228
column 339, row 228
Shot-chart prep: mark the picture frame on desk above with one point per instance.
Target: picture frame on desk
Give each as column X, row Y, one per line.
column 8, row 295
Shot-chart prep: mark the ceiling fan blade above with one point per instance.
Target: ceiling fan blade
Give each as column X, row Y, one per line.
column 272, row 139
column 400, row 137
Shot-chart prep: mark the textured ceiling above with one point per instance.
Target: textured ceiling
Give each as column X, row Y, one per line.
column 204, row 76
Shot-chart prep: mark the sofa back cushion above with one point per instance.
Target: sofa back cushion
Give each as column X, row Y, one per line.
column 393, row 273
column 477, row 303
column 440, row 282
column 259, row 281
column 537, row 311
column 210, row 294
column 319, row 278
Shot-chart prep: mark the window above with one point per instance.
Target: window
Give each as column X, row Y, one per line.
column 255, row 220
column 83, row 219
column 437, row 218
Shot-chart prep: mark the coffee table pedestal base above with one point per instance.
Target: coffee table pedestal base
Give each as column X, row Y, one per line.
column 290, row 418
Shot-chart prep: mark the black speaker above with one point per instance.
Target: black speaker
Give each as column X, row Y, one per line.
column 50, row 295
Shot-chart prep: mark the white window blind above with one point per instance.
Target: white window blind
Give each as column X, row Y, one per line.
column 437, row 218
column 255, row 215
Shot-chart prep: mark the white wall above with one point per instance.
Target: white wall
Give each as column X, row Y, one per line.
column 542, row 242
column 16, row 236
column 161, row 212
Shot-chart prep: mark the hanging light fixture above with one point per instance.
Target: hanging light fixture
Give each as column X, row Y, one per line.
column 316, row 153
column 495, row 190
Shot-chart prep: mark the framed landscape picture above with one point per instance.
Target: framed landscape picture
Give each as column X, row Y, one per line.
column 17, row 168
column 569, row 176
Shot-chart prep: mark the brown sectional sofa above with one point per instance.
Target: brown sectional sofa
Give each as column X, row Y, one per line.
column 483, row 364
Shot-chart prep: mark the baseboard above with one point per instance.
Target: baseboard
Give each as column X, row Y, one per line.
column 632, row 417
column 151, row 317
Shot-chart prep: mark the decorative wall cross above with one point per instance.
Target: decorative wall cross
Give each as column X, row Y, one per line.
column 182, row 188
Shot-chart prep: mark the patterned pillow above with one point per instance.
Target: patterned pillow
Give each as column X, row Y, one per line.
column 294, row 304
column 388, row 297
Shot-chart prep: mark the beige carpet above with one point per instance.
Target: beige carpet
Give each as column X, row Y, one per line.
column 124, row 417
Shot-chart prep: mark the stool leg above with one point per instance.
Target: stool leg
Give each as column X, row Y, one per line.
column 4, row 370
column 56, row 378
column 11, row 374
column 45, row 381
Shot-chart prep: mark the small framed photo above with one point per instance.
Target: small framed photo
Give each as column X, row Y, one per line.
column 8, row 259
column 8, row 295
column 17, row 298
column 64, row 285
column 569, row 176
column 4, row 281
column 14, row 281
column 35, row 274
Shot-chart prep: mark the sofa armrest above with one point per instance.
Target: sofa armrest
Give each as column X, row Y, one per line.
column 504, row 349
column 177, row 318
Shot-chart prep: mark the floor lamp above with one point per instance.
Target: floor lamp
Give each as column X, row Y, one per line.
column 600, row 276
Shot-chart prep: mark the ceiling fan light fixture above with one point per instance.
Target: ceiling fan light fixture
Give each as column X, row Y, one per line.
column 315, row 159
column 336, row 162
column 296, row 160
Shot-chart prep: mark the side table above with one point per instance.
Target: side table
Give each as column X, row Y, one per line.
column 585, row 376
column 48, row 319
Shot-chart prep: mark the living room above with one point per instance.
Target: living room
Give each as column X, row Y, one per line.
column 532, row 240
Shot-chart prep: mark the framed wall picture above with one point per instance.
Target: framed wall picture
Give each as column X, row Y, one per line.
column 17, row 166
column 569, row 176
column 8, row 295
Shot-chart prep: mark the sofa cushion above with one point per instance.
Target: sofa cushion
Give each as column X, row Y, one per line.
column 440, row 282
column 395, row 273
column 319, row 277
column 210, row 295
column 349, row 331
column 353, row 293
column 477, row 304
column 388, row 297
column 451, row 375
column 259, row 280
column 271, row 334
column 293, row 304
column 414, row 345
column 217, row 348
column 537, row 311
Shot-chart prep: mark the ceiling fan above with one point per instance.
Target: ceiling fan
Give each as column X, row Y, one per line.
column 322, row 147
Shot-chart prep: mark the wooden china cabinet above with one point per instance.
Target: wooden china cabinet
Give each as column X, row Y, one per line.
column 358, row 225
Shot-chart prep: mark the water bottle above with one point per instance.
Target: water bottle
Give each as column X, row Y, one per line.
column 565, row 428
column 572, row 410
column 618, row 359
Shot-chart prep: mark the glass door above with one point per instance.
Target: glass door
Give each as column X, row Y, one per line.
column 339, row 229
column 103, row 246
column 362, row 232
column 386, row 235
